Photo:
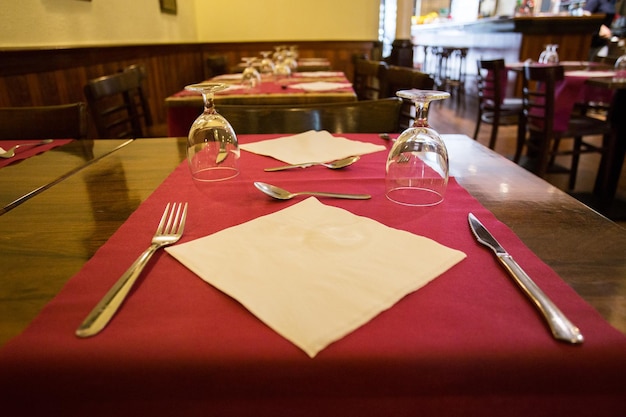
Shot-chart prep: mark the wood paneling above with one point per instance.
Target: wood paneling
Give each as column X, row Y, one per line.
column 34, row 77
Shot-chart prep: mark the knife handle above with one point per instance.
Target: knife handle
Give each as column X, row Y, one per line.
column 561, row 327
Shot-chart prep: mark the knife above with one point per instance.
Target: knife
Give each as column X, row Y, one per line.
column 562, row 329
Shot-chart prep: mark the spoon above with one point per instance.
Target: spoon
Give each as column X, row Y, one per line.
column 10, row 153
column 281, row 194
column 339, row 163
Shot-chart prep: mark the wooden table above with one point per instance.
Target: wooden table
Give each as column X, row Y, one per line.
column 183, row 107
column 54, row 233
column 226, row 361
column 22, row 179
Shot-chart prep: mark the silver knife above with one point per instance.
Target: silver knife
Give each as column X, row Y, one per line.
column 561, row 327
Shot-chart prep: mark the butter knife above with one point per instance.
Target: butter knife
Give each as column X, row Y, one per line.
column 562, row 329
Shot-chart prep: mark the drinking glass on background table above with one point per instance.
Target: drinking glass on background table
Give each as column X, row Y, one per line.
column 549, row 55
column 212, row 146
column 417, row 164
column 620, row 68
column 250, row 76
column 267, row 67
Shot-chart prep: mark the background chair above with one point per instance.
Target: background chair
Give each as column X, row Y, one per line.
column 543, row 140
column 215, row 65
column 119, row 107
column 368, row 116
column 493, row 106
column 66, row 121
column 396, row 78
column 367, row 74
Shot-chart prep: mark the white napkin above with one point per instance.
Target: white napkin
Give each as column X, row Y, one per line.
column 320, row 86
column 590, row 74
column 321, row 74
column 315, row 273
column 310, row 146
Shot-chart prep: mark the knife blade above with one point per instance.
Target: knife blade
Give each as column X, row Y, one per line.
column 560, row 326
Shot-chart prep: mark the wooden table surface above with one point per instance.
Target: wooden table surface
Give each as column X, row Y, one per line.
column 47, row 239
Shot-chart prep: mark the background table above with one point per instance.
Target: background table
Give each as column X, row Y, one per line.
column 184, row 107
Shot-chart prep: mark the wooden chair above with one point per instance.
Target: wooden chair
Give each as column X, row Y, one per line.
column 118, row 105
column 367, row 74
column 493, row 106
column 368, row 116
column 543, row 140
column 215, row 65
column 396, row 78
column 65, row 121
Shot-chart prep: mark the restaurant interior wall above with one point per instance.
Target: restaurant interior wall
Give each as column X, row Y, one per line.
column 75, row 41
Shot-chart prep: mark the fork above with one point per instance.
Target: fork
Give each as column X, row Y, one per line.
column 169, row 231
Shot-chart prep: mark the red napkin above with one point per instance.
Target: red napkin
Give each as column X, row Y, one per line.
column 27, row 151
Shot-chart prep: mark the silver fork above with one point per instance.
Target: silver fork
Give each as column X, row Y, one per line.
column 169, row 231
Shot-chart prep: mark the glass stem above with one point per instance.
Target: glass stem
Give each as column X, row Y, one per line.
column 421, row 114
column 209, row 105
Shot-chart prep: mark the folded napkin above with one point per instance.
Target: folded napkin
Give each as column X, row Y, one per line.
column 236, row 76
column 590, row 74
column 315, row 273
column 321, row 74
column 320, row 86
column 310, row 146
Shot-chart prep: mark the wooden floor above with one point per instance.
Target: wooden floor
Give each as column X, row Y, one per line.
column 459, row 116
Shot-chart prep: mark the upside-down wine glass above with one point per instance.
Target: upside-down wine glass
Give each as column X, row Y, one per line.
column 212, row 146
column 267, row 66
column 250, row 77
column 417, row 165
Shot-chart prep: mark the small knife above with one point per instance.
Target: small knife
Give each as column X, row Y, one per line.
column 562, row 329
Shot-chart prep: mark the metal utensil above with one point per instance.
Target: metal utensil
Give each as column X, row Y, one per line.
column 561, row 327
column 10, row 153
column 281, row 194
column 338, row 164
column 169, row 231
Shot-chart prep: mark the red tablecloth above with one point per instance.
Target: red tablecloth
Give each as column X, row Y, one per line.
column 467, row 344
column 27, row 151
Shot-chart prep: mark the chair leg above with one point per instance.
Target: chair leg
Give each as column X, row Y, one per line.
column 578, row 140
column 478, row 121
column 521, row 139
column 495, row 123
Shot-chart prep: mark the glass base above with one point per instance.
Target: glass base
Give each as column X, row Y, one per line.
column 414, row 196
column 215, row 174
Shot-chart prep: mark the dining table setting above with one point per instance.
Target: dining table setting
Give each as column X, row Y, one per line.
column 300, row 88
column 297, row 287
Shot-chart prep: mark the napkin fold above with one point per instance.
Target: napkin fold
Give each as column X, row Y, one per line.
column 310, row 146
column 320, row 86
column 315, row 273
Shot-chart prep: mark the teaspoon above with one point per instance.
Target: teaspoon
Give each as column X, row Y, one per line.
column 281, row 194
column 340, row 163
column 10, row 153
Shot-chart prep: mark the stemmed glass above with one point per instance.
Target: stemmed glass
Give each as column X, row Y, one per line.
column 212, row 146
column 620, row 68
column 417, row 165
column 267, row 65
column 549, row 55
column 250, row 76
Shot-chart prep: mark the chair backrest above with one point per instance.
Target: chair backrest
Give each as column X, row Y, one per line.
column 369, row 116
column 396, row 78
column 118, row 104
column 65, row 121
column 215, row 65
column 538, row 95
column 367, row 83
column 491, row 81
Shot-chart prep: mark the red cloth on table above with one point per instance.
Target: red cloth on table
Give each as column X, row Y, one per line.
column 27, row 151
column 469, row 343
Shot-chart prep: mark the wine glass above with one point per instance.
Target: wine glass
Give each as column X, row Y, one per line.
column 282, row 73
column 250, row 76
column 417, row 165
column 267, row 65
column 212, row 146
column 549, row 55
column 620, row 68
